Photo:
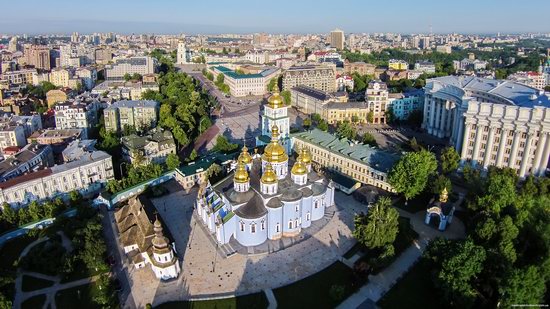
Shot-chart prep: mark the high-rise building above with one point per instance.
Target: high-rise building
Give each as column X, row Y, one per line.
column 38, row 56
column 75, row 37
column 259, row 38
column 337, row 39
column 13, row 45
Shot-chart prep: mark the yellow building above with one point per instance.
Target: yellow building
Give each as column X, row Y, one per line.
column 334, row 112
column 55, row 96
column 400, row 65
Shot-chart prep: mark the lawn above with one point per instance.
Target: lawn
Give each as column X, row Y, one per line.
column 80, row 297
column 34, row 302
column 9, row 254
column 416, row 204
column 253, row 301
column 31, row 283
column 80, row 271
column 414, row 290
column 315, row 291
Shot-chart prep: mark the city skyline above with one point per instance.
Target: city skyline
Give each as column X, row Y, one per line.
column 170, row 17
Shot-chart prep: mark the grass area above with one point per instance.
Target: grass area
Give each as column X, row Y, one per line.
column 318, row 291
column 31, row 283
column 80, row 271
column 80, row 297
column 34, row 302
column 414, row 290
column 253, row 301
column 416, row 204
column 9, row 254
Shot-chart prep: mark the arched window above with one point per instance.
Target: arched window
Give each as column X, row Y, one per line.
column 296, row 223
column 242, row 226
column 253, row 228
column 308, row 216
column 263, row 225
column 277, row 227
column 297, row 207
column 290, row 224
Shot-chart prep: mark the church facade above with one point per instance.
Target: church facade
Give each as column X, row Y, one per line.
column 275, row 114
column 265, row 198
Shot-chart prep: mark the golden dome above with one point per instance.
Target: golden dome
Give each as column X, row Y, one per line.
column 275, row 100
column 305, row 156
column 241, row 175
column 274, row 152
column 299, row 168
column 269, row 175
column 245, row 157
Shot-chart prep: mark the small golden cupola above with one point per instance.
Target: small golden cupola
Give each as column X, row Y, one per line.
column 299, row 168
column 274, row 152
column 269, row 176
column 241, row 180
column 305, row 156
column 245, row 156
column 275, row 100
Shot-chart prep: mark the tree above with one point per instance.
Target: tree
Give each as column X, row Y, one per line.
column 354, row 119
column 286, row 96
column 127, row 77
column 370, row 117
column 411, row 173
column 307, row 123
column 415, row 118
column 272, row 83
column 522, row 286
column 346, row 130
column 75, row 196
column 193, row 155
column 369, row 139
column 220, row 78
column 213, row 170
column 223, row 145
column 390, row 116
column 449, row 160
column 377, row 229
column 316, row 117
column 172, row 161
column 441, row 182
column 322, row 125
column 500, row 191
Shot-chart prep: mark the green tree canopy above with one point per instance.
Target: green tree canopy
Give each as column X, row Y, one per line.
column 172, row 161
column 410, row 174
column 345, row 129
column 379, row 227
column 450, row 160
column 223, row 145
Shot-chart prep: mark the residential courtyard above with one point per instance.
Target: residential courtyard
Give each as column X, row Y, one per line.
column 208, row 273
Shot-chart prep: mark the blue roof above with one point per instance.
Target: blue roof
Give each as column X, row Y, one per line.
column 233, row 74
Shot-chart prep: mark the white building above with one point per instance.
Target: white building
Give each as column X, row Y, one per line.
column 122, row 66
column 246, row 84
column 275, row 115
column 77, row 115
column 491, row 122
column 88, row 76
column 88, row 175
column 182, row 53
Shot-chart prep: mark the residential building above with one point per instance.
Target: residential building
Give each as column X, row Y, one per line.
column 65, row 77
column 122, row 66
column 399, row 65
column 359, row 67
column 337, row 39
column 532, row 79
column 87, row 175
column 138, row 114
column 78, row 114
column 321, row 77
column 445, row 49
column 334, row 112
column 403, row 104
column 30, row 158
column 142, row 238
column 88, row 77
column 344, row 83
column 58, row 95
column 122, row 90
column 38, row 56
column 103, row 55
column 363, row 163
column 425, row 66
column 491, row 122
column 12, row 135
column 248, row 83
column 30, row 124
column 309, row 100
column 20, row 77
column 376, row 97
column 55, row 136
column 154, row 147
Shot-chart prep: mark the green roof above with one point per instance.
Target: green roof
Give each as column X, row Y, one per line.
column 205, row 162
column 375, row 158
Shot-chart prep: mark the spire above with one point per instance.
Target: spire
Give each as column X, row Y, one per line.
column 274, row 134
column 159, row 241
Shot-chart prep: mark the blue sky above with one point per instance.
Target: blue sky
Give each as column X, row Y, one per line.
column 281, row 16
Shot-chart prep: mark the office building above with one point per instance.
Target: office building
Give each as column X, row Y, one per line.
column 253, row 83
column 122, row 66
column 337, row 39
column 491, row 122
column 376, row 97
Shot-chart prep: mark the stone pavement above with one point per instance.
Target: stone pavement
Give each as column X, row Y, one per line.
column 206, row 273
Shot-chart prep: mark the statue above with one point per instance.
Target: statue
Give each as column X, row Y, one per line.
column 444, row 196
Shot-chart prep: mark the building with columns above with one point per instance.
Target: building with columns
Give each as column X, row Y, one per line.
column 491, row 122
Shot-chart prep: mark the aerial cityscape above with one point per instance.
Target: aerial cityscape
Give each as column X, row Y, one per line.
column 252, row 155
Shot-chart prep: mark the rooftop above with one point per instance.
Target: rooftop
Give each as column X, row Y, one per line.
column 134, row 104
column 377, row 159
column 312, row 92
column 515, row 93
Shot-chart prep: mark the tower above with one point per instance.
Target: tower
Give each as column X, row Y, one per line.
column 275, row 114
column 165, row 263
column 241, row 180
column 275, row 154
column 182, row 53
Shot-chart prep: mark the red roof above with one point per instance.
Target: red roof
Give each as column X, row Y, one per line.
column 24, row 178
column 11, row 149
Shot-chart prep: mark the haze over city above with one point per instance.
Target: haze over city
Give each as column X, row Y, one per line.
column 286, row 16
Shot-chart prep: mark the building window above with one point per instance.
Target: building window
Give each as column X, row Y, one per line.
column 290, row 224
column 277, row 227
column 253, row 228
column 263, row 225
column 308, row 216
column 242, row 226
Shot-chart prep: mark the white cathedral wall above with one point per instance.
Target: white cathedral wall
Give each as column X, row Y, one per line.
column 291, row 214
column 318, row 211
column 248, row 236
column 166, row 273
column 274, row 217
column 306, row 208
column 226, row 230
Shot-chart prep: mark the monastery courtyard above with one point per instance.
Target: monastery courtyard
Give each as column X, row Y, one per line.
column 207, row 272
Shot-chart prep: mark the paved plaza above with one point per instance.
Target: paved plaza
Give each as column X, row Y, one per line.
column 207, row 273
